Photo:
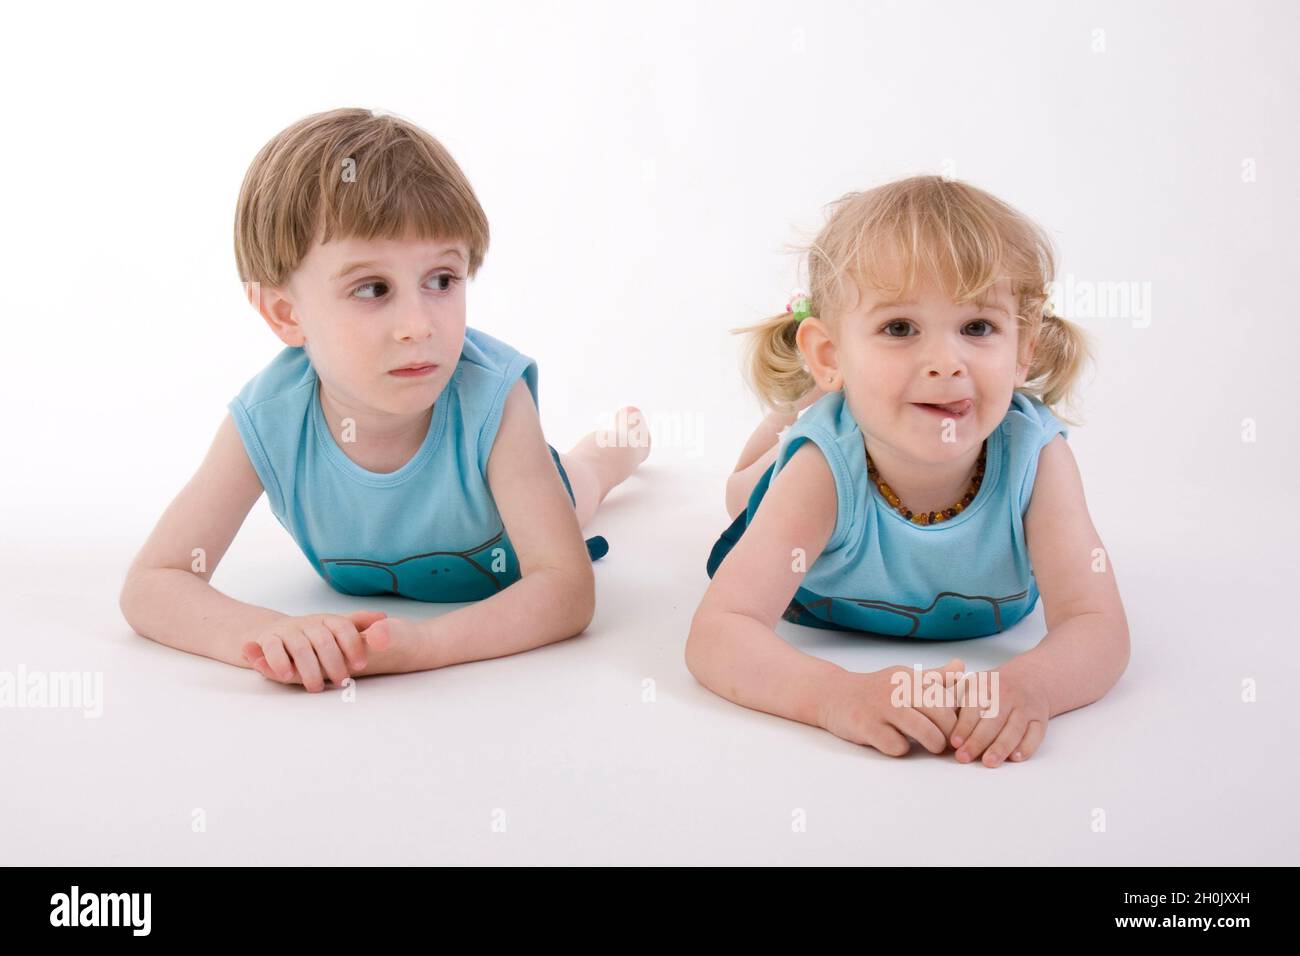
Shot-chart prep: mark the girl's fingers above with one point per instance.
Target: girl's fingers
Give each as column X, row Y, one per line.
column 920, row 728
column 327, row 650
column 888, row 741
column 345, row 632
column 968, row 717
column 1034, row 734
column 304, row 658
column 1007, row 740
column 985, row 732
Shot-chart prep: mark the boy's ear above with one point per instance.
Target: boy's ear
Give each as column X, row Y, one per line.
column 275, row 307
column 814, row 341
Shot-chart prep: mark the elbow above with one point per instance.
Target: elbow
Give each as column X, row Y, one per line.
column 735, row 500
column 695, row 653
column 580, row 600
column 126, row 601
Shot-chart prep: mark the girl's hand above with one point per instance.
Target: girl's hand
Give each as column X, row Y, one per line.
column 296, row 650
column 860, row 708
column 1017, row 729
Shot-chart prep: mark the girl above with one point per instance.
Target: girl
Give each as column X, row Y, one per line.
column 927, row 491
column 401, row 449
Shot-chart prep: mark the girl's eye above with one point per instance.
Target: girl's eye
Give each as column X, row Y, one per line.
column 907, row 325
column 368, row 285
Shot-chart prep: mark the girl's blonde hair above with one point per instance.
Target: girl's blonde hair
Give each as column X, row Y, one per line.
column 962, row 236
column 350, row 173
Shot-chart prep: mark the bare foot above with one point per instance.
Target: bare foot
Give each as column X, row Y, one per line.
column 604, row 459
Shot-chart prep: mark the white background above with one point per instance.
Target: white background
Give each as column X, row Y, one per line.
column 643, row 167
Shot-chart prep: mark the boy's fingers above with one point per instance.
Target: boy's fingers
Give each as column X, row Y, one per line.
column 278, row 660
column 345, row 632
column 304, row 658
column 328, row 652
column 377, row 635
column 264, row 669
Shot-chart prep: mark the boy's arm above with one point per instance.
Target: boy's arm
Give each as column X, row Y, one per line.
column 556, row 595
column 166, row 595
column 760, row 451
column 733, row 648
column 1087, row 644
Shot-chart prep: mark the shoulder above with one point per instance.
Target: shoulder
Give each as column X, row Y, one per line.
column 1028, row 429
column 1028, row 420
column 288, row 374
column 798, row 509
column 270, row 413
column 490, row 376
column 827, row 440
column 485, row 358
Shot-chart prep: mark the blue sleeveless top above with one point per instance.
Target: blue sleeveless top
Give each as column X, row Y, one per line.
column 429, row 530
column 965, row 577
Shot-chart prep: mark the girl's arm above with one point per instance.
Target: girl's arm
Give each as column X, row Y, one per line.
column 1087, row 644
column 166, row 595
column 556, row 595
column 733, row 648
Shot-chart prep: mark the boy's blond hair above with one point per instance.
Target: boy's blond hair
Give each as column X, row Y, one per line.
column 350, row 173
column 963, row 236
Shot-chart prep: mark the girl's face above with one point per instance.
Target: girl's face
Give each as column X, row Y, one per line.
column 363, row 309
column 892, row 357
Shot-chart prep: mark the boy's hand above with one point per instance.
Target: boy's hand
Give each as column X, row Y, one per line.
column 399, row 633
column 859, row 708
column 297, row 650
column 1015, row 731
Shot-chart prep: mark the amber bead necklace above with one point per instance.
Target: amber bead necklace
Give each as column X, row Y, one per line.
column 931, row 517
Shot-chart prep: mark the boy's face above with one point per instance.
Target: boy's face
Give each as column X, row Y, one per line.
column 890, row 357
column 364, row 309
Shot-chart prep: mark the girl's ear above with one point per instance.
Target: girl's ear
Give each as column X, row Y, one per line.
column 1022, row 369
column 818, row 351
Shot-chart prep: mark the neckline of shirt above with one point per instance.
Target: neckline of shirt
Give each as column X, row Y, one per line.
column 380, row 479
column 992, row 470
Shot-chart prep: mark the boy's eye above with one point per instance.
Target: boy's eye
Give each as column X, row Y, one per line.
column 444, row 280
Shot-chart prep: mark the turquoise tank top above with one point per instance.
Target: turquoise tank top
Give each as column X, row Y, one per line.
column 965, row 577
column 428, row 531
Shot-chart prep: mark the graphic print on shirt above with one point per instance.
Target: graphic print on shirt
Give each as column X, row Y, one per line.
column 468, row 575
column 973, row 612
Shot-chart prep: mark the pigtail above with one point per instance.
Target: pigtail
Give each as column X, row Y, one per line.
column 1060, row 354
column 776, row 366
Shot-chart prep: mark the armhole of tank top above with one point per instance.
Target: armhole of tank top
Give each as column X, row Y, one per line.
column 825, row 442
column 256, row 452
column 1047, row 436
column 492, row 421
